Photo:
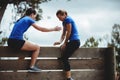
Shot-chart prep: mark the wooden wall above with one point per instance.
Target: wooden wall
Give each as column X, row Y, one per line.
column 86, row 64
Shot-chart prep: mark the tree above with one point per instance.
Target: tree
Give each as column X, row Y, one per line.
column 3, row 4
column 91, row 42
column 3, row 41
column 115, row 42
column 20, row 7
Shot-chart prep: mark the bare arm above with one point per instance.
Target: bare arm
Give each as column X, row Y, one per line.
column 45, row 29
column 65, row 35
column 62, row 36
column 68, row 32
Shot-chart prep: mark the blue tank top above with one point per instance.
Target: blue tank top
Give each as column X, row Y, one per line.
column 74, row 32
column 20, row 27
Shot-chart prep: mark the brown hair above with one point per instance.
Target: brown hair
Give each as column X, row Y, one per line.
column 61, row 12
column 28, row 12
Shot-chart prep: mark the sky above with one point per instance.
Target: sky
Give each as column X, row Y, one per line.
column 93, row 18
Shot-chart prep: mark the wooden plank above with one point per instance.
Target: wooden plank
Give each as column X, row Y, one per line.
column 7, row 52
column 56, row 75
column 52, row 64
column 55, row 52
column 110, row 64
column 105, row 61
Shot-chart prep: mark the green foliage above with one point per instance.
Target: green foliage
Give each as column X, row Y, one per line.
column 3, row 41
column 115, row 42
column 21, row 6
column 91, row 42
column 116, row 35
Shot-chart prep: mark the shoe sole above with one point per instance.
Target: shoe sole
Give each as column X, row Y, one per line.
column 34, row 71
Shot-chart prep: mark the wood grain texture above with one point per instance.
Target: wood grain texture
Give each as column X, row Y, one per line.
column 52, row 64
column 57, row 75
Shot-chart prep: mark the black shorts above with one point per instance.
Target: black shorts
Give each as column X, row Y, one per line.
column 15, row 43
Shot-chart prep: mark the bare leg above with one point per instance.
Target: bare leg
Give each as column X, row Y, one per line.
column 68, row 74
column 32, row 47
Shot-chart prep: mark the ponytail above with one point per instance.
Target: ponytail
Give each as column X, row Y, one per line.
column 28, row 12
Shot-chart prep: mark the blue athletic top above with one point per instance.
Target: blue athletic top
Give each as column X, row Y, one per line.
column 20, row 27
column 74, row 32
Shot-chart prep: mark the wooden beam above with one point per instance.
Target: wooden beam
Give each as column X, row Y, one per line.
column 49, row 64
column 52, row 75
column 55, row 52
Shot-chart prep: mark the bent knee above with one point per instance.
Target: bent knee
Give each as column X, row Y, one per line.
column 30, row 46
column 37, row 47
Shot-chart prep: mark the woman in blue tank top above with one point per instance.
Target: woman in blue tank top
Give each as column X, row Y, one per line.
column 17, row 42
column 69, row 38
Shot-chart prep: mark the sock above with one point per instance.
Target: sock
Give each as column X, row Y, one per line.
column 32, row 67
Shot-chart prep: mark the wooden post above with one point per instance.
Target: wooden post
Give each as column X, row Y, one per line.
column 110, row 67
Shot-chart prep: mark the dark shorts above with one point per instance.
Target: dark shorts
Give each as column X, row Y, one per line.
column 15, row 43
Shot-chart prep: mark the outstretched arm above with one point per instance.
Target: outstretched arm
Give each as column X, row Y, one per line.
column 65, row 35
column 43, row 29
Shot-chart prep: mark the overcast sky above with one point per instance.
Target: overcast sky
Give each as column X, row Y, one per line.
column 93, row 18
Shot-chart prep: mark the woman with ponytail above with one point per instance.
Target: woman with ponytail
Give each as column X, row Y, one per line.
column 17, row 42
